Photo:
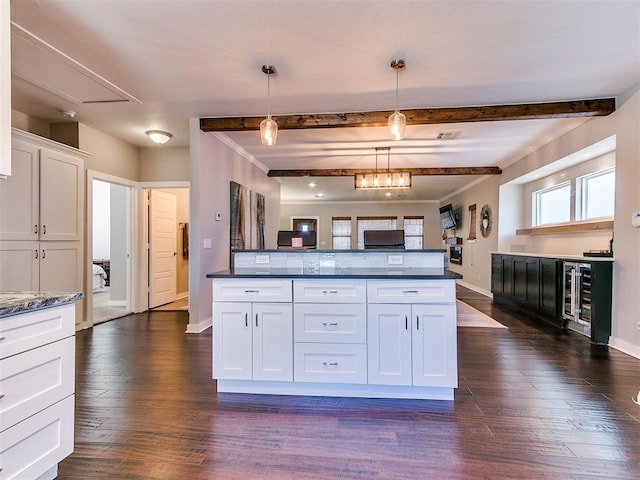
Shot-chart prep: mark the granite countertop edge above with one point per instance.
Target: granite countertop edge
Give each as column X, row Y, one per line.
column 13, row 303
column 406, row 274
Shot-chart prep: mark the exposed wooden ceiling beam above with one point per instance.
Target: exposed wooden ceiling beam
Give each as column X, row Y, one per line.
column 349, row 172
column 421, row 116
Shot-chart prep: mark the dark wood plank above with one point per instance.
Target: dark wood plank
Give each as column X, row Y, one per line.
column 420, row 116
column 533, row 402
column 346, row 172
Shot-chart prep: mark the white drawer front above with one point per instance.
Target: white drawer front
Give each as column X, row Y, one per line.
column 336, row 323
column 407, row 291
column 330, row 291
column 330, row 363
column 250, row 290
column 30, row 330
column 33, row 380
column 36, row 444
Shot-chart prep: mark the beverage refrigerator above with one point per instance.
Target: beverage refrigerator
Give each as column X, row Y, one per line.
column 577, row 296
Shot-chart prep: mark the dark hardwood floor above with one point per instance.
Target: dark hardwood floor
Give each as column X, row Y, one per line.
column 533, row 403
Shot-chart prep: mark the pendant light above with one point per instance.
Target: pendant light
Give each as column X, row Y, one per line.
column 397, row 120
column 268, row 126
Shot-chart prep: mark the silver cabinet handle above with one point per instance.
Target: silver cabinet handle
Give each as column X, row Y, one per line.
column 1, row 395
column 329, row 292
column 246, row 319
column 406, row 322
column 35, row 252
column 330, row 364
column 256, row 319
column 2, row 339
column 330, row 324
column 405, row 292
column 252, row 291
column 44, row 253
column 417, row 322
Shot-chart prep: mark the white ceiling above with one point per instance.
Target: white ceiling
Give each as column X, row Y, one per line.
column 170, row 60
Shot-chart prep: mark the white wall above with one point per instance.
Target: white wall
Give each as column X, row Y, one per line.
column 101, row 220
column 213, row 165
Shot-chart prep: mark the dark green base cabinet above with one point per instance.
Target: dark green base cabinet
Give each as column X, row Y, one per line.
column 535, row 284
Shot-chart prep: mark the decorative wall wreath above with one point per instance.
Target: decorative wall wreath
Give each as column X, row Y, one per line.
column 485, row 221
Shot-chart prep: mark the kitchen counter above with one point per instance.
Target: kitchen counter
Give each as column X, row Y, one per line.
column 406, row 273
column 12, row 303
column 580, row 258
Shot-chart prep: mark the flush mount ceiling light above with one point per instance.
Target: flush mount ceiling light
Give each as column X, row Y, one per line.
column 158, row 136
column 384, row 180
column 397, row 120
column 268, row 126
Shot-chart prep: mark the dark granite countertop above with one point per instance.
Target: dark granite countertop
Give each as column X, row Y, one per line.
column 363, row 273
column 12, row 303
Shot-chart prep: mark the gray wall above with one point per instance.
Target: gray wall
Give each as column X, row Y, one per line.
column 159, row 164
column 120, row 199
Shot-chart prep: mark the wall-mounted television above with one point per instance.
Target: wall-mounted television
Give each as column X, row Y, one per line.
column 447, row 217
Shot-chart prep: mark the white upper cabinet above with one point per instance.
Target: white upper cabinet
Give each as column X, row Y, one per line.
column 5, row 89
column 44, row 195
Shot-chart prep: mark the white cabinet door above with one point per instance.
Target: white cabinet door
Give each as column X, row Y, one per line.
column 389, row 344
column 232, row 331
column 19, row 266
column 19, row 195
column 61, row 192
column 272, row 341
column 252, row 341
column 435, row 357
column 60, row 266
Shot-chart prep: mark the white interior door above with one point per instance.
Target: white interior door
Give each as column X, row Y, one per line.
column 162, row 248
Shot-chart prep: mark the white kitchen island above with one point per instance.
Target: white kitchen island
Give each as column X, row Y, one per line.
column 336, row 323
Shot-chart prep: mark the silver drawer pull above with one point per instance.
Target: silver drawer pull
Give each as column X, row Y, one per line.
column 330, row 364
column 1, row 395
column 252, row 291
column 2, row 339
column 329, row 292
column 330, row 324
column 409, row 291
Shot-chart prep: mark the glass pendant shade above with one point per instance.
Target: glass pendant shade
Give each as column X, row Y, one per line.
column 397, row 123
column 268, row 131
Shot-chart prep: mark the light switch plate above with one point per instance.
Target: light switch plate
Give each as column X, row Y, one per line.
column 207, row 243
column 262, row 258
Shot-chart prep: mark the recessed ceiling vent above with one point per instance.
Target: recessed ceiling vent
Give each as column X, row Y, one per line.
column 41, row 64
column 448, row 135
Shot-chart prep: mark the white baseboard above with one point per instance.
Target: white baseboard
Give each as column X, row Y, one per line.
column 180, row 296
column 475, row 288
column 117, row 303
column 199, row 327
column 625, row 347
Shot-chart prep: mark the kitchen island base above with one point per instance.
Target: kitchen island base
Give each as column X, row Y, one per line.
column 335, row 390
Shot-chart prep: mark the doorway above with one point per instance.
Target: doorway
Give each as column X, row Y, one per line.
column 111, row 249
column 168, row 248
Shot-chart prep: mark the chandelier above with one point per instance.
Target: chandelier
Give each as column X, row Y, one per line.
column 385, row 179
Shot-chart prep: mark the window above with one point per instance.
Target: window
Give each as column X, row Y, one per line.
column 341, row 233
column 413, row 232
column 596, row 194
column 552, row 205
column 374, row 223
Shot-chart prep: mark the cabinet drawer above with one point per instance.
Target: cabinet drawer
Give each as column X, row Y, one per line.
column 330, row 291
column 406, row 291
column 34, row 445
column 33, row 380
column 330, row 363
column 30, row 330
column 336, row 323
column 250, row 290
